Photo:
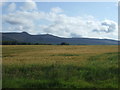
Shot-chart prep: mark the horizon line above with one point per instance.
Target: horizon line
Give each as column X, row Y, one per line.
column 60, row 36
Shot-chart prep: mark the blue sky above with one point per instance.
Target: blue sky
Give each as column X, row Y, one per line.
column 65, row 19
column 100, row 10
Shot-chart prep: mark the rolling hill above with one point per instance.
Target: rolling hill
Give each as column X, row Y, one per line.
column 50, row 39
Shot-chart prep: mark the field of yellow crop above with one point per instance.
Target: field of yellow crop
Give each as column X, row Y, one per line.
column 60, row 66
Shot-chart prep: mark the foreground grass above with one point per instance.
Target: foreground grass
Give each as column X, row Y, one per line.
column 60, row 66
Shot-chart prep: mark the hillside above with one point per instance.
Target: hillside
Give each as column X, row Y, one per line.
column 50, row 39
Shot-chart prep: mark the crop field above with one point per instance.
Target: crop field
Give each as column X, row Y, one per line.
column 60, row 66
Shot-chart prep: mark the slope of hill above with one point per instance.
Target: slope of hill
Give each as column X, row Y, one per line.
column 50, row 39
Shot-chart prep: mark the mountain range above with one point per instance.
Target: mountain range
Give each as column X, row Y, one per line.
column 51, row 39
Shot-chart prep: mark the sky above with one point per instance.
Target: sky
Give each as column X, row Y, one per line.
column 63, row 19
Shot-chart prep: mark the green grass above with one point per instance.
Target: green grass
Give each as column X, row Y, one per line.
column 79, row 69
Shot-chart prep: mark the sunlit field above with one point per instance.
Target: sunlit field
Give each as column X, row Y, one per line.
column 60, row 66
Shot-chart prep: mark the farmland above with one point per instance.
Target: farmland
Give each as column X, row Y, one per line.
column 60, row 66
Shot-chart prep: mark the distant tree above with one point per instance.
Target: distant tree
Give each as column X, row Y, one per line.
column 13, row 42
column 29, row 43
column 21, row 43
column 64, row 43
column 9, row 42
column 49, row 44
column 36, row 44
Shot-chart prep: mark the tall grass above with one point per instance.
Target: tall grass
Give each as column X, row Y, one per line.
column 60, row 66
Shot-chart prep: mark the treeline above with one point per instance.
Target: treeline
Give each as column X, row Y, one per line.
column 25, row 43
column 21, row 43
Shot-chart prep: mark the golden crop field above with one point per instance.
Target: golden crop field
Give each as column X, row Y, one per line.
column 60, row 66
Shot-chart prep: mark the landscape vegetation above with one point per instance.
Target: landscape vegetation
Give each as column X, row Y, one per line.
column 60, row 66
column 59, row 44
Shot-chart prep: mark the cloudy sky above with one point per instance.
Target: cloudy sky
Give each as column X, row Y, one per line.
column 64, row 19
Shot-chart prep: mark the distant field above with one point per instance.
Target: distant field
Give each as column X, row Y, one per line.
column 57, row 66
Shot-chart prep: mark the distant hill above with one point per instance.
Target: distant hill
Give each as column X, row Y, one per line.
column 50, row 39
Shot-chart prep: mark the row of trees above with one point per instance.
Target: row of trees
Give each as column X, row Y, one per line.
column 25, row 43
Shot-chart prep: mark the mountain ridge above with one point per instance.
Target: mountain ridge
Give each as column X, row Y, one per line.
column 51, row 39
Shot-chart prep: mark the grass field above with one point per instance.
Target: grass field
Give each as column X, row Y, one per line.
column 57, row 66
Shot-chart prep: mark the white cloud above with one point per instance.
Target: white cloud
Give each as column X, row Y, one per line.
column 3, row 2
column 78, row 26
column 60, row 24
column 12, row 7
column 18, row 23
column 29, row 5
column 107, row 26
column 56, row 10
